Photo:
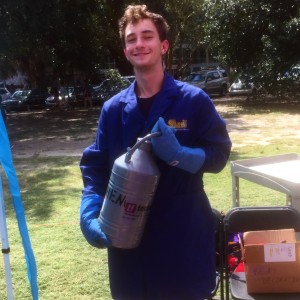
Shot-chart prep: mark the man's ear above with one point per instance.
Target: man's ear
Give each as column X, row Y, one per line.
column 164, row 47
column 124, row 50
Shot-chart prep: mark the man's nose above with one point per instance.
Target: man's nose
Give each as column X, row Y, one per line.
column 139, row 42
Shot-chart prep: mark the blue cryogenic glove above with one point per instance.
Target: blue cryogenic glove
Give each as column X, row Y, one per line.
column 89, row 212
column 167, row 148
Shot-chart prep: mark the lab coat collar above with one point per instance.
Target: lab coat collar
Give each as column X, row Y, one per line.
column 163, row 100
column 168, row 90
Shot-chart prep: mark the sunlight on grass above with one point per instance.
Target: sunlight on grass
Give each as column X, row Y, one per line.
column 68, row 268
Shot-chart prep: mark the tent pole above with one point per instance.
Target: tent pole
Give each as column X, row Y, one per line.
column 5, row 245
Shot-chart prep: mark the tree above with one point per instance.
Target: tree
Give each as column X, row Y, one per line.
column 51, row 40
column 185, row 18
column 260, row 37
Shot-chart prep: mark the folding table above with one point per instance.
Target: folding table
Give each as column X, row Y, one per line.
column 280, row 173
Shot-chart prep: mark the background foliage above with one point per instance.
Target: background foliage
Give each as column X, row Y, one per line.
column 56, row 39
column 260, row 37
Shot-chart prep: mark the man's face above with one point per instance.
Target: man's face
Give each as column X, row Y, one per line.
column 143, row 47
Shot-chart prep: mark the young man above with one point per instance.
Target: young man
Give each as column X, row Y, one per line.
column 176, row 257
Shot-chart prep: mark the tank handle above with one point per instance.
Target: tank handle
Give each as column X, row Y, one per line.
column 141, row 141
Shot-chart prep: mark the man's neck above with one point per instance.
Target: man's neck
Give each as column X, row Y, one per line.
column 148, row 83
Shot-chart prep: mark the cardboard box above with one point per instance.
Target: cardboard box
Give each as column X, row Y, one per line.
column 272, row 261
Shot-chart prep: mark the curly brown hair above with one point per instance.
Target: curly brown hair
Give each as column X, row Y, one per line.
column 135, row 13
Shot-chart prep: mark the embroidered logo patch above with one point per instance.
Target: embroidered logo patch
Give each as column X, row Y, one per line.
column 177, row 124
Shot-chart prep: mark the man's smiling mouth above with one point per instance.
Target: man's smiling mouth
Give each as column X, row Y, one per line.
column 140, row 53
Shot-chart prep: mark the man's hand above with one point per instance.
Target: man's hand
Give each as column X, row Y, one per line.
column 167, row 148
column 89, row 212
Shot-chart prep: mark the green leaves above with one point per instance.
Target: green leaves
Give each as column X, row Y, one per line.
column 262, row 37
column 58, row 38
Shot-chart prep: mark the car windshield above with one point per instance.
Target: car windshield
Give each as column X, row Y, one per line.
column 293, row 73
column 112, row 84
column 17, row 94
column 20, row 93
column 244, row 78
column 196, row 77
column 66, row 91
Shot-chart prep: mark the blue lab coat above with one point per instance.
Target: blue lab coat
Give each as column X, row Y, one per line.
column 176, row 258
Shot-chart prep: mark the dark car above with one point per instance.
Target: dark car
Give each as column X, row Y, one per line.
column 210, row 81
column 4, row 93
column 109, row 88
column 76, row 96
column 37, row 98
column 292, row 75
column 16, row 101
column 65, row 95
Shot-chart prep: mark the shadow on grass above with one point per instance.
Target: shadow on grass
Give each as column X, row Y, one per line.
column 235, row 155
column 79, row 123
column 257, row 106
column 46, row 184
column 49, row 124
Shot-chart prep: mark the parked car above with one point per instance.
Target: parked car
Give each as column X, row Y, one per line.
column 292, row 75
column 16, row 101
column 76, row 95
column 36, row 98
column 244, row 85
column 210, row 81
column 109, row 88
column 288, row 82
column 4, row 93
column 65, row 94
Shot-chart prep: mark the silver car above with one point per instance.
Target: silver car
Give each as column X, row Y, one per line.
column 4, row 93
column 243, row 85
column 210, row 81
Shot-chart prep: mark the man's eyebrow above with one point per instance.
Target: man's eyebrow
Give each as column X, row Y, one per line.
column 144, row 31
column 148, row 31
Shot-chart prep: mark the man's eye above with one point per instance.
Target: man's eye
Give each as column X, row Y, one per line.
column 131, row 40
column 148, row 37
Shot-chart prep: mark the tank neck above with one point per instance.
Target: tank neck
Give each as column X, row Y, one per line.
column 140, row 142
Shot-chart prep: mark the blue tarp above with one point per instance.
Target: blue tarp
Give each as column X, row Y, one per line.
column 8, row 167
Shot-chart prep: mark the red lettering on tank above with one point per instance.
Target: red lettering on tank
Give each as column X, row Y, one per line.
column 130, row 207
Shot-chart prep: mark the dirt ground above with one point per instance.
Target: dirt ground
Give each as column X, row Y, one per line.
column 52, row 133
column 263, row 126
column 47, row 133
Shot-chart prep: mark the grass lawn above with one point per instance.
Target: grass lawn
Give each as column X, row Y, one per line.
column 68, row 268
